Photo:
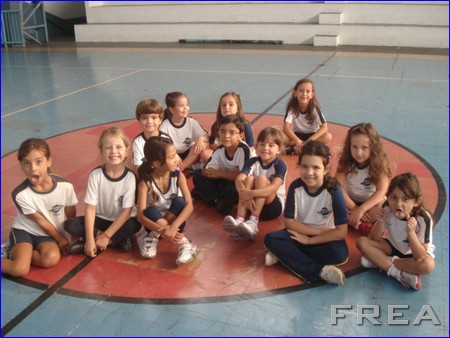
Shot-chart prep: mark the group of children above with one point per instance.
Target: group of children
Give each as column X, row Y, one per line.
column 229, row 169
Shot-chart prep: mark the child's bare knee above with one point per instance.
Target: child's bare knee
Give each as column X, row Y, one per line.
column 50, row 258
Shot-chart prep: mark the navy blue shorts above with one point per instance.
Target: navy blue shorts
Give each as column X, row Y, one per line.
column 21, row 236
column 303, row 136
column 272, row 210
column 395, row 251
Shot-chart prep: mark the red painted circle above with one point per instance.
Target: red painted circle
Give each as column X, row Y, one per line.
column 223, row 268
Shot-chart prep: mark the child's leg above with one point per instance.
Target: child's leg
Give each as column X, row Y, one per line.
column 176, row 207
column 376, row 252
column 325, row 138
column 297, row 257
column 75, row 226
column 130, row 227
column 249, row 184
column 153, row 214
column 19, row 264
column 191, row 158
column 422, row 266
column 261, row 182
column 46, row 255
column 205, row 187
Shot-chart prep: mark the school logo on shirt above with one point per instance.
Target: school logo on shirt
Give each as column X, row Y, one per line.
column 120, row 200
column 56, row 209
column 187, row 141
column 366, row 183
column 325, row 212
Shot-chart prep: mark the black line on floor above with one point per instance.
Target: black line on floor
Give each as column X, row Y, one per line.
column 44, row 296
column 265, row 111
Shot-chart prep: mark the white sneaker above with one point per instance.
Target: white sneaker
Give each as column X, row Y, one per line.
column 332, row 275
column 410, row 280
column 365, row 263
column 248, row 230
column 230, row 225
column 186, row 253
column 148, row 246
column 270, row 259
column 6, row 247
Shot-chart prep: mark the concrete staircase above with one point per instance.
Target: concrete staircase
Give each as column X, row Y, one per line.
column 415, row 24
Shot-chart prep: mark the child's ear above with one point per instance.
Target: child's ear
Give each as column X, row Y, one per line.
column 156, row 164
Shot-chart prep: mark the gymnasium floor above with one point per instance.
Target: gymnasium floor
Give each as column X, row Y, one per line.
column 68, row 94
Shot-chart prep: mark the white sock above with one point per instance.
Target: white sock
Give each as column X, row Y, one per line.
column 239, row 218
column 184, row 240
column 393, row 271
column 154, row 234
column 254, row 219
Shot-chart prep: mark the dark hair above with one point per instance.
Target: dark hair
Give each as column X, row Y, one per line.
column 293, row 106
column 171, row 99
column 149, row 106
column 154, row 150
column 33, row 144
column 378, row 160
column 317, row 148
column 234, row 119
column 410, row 186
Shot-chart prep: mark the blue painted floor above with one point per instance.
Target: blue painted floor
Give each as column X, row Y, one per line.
column 55, row 89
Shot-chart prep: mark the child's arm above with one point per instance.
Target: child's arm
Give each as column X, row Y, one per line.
column 302, row 228
column 70, row 211
column 319, row 133
column 342, row 180
column 218, row 173
column 141, row 206
column 90, row 247
column 49, row 229
column 287, row 129
column 172, row 229
column 266, row 191
column 102, row 240
column 201, row 143
column 376, row 198
column 418, row 249
column 377, row 231
column 336, row 234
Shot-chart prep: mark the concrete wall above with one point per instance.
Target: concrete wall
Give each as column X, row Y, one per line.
column 409, row 24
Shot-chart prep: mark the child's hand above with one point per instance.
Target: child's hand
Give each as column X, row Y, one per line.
column 210, row 172
column 411, row 224
column 62, row 243
column 355, row 216
column 90, row 248
column 101, row 242
column 296, row 236
column 380, row 215
column 250, row 205
column 170, row 232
